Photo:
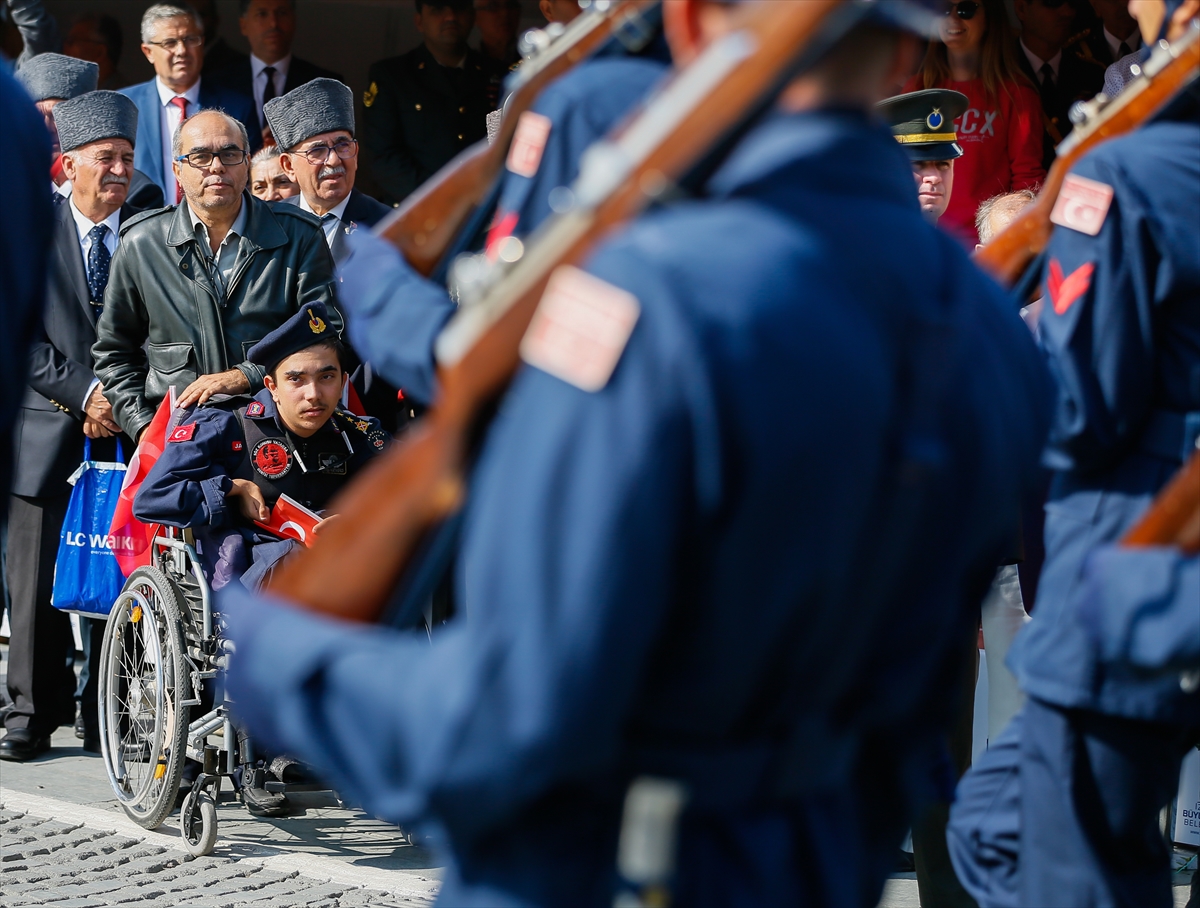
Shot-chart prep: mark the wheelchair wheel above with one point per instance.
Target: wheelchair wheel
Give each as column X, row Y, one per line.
column 143, row 686
column 198, row 823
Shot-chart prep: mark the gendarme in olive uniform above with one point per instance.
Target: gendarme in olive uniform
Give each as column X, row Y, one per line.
column 420, row 114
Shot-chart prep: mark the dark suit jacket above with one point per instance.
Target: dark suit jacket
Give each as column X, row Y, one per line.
column 361, row 210
column 1079, row 79
column 239, row 77
column 220, row 55
column 49, row 430
column 144, row 193
column 419, row 114
column 147, row 155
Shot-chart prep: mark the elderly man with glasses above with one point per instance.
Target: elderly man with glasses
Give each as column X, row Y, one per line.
column 173, row 43
column 194, row 287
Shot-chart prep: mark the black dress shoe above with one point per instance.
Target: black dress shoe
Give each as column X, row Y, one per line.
column 91, row 745
column 21, row 744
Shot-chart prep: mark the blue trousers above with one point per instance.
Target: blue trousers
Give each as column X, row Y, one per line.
column 1062, row 810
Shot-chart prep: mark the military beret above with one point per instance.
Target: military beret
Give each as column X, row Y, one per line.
column 322, row 105
column 55, row 77
column 923, row 122
column 94, row 116
column 307, row 327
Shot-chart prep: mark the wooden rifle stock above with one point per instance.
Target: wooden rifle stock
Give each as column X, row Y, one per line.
column 426, row 223
column 389, row 508
column 1166, row 73
column 1174, row 516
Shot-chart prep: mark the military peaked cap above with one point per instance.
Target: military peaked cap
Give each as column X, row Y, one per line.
column 322, row 105
column 306, row 328
column 923, row 122
column 94, row 116
column 54, row 77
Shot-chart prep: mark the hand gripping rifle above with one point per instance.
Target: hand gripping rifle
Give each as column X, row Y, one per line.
column 425, row 225
column 1170, row 69
column 390, row 507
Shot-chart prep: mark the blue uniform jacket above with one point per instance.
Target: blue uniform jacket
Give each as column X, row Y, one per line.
column 188, row 484
column 394, row 314
column 750, row 561
column 1121, row 330
column 1141, row 608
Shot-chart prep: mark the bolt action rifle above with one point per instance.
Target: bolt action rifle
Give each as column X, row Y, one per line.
column 427, row 222
column 1170, row 70
column 394, row 505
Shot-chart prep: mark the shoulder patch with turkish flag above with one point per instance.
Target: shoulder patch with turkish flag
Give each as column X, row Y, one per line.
column 1065, row 290
column 183, row 433
column 580, row 328
column 1082, row 204
column 528, row 143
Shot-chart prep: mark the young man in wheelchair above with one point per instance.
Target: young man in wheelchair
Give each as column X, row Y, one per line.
column 229, row 461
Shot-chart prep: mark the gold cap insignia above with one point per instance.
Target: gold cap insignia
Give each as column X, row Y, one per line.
column 369, row 95
column 315, row 323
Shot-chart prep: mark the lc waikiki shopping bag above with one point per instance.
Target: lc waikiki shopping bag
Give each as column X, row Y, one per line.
column 87, row 578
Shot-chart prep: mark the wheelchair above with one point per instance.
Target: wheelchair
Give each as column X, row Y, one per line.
column 162, row 697
column 162, row 646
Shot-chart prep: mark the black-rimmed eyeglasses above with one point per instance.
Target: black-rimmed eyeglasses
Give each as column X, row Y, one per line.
column 189, row 41
column 319, row 154
column 965, row 9
column 230, row 157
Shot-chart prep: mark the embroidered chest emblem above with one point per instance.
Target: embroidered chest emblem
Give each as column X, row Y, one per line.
column 271, row 458
column 255, row 409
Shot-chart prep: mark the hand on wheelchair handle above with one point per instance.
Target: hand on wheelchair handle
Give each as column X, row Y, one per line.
column 250, row 501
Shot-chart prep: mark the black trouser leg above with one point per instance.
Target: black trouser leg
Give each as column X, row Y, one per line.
column 40, row 680
column 937, row 884
column 91, row 631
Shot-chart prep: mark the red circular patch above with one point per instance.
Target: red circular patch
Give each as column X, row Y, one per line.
column 271, row 458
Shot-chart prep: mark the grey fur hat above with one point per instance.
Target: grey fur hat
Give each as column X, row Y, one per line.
column 322, row 105
column 95, row 116
column 50, row 76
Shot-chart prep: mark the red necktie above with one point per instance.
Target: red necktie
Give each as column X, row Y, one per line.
column 181, row 103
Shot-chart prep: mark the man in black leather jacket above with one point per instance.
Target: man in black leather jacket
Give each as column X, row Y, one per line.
column 195, row 286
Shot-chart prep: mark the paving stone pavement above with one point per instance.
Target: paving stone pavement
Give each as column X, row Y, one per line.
column 72, row 865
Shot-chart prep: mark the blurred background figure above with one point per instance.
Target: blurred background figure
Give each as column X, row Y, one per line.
column 559, row 10
column 923, row 123
column 1001, row 130
column 1055, row 65
column 270, row 71
column 1117, row 35
column 218, row 54
column 97, row 37
column 425, row 106
column 498, row 22
column 30, row 30
column 267, row 179
column 173, row 43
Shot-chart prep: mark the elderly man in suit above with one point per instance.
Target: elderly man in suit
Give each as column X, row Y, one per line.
column 173, row 42
column 64, row 403
column 271, row 70
column 194, row 287
column 314, row 125
column 51, row 79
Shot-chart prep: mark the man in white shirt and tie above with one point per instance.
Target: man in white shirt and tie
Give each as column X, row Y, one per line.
column 173, row 43
column 64, row 403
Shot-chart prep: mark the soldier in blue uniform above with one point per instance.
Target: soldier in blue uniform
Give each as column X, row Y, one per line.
column 228, row 464
column 394, row 314
column 747, row 561
column 1063, row 808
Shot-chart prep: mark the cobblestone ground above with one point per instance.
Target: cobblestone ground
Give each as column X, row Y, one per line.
column 69, row 865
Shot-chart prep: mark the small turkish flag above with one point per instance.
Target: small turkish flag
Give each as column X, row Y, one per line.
column 183, row 433
column 291, row 520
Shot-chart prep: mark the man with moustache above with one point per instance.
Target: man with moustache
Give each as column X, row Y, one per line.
column 64, row 403
column 271, row 70
column 194, row 287
column 173, row 42
column 424, row 107
column 51, row 79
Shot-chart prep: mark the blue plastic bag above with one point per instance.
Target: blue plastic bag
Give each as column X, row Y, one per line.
column 87, row 578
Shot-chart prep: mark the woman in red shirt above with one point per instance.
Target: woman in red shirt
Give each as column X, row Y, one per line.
column 1001, row 131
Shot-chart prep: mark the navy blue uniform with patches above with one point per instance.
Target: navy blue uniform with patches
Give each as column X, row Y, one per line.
column 240, row 439
column 395, row 314
column 1065, row 813
column 749, row 561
